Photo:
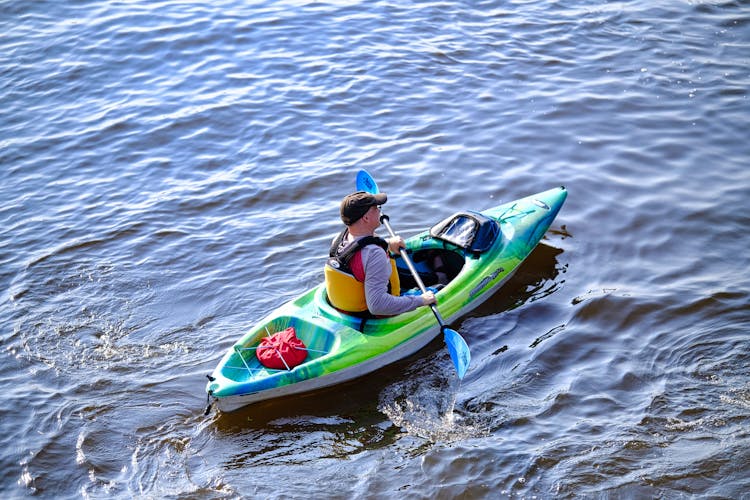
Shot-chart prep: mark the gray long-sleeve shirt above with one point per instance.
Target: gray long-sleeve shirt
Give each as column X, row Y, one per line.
column 377, row 268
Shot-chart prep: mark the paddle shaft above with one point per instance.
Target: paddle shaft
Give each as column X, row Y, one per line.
column 457, row 347
column 410, row 265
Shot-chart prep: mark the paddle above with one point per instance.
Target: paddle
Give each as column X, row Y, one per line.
column 457, row 347
column 366, row 183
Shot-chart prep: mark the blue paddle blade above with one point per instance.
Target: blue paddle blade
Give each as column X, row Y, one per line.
column 365, row 182
column 459, row 351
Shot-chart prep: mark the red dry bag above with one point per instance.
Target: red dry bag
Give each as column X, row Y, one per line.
column 280, row 345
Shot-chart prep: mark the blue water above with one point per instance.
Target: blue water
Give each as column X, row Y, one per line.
column 171, row 171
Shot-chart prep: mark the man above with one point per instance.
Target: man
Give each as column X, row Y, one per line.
column 360, row 275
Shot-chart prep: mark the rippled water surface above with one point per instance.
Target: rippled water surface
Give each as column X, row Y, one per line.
column 171, row 171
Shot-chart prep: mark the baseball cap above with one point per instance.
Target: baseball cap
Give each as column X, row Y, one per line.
column 355, row 205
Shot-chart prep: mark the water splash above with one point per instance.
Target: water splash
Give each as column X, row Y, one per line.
column 424, row 405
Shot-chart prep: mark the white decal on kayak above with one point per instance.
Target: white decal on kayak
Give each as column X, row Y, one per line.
column 485, row 281
column 540, row 203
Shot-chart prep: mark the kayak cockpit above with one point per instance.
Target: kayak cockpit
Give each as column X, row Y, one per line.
column 435, row 266
column 439, row 256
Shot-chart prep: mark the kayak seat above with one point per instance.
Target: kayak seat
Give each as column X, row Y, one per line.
column 470, row 231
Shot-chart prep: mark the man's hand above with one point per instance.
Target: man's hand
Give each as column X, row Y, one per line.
column 428, row 298
column 395, row 244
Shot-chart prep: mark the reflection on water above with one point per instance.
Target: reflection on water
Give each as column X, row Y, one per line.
column 535, row 279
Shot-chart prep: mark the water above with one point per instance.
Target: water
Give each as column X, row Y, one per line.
column 171, row 171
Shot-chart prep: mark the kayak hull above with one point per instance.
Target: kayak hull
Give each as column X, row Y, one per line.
column 341, row 347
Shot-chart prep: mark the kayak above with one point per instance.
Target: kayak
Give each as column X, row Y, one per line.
column 479, row 252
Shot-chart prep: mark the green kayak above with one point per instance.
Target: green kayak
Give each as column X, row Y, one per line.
column 480, row 252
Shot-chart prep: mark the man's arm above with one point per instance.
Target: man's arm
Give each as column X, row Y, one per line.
column 377, row 267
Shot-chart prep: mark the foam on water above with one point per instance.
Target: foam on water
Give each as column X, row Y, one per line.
column 424, row 405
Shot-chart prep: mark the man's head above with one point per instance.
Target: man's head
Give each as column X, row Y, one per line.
column 356, row 205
